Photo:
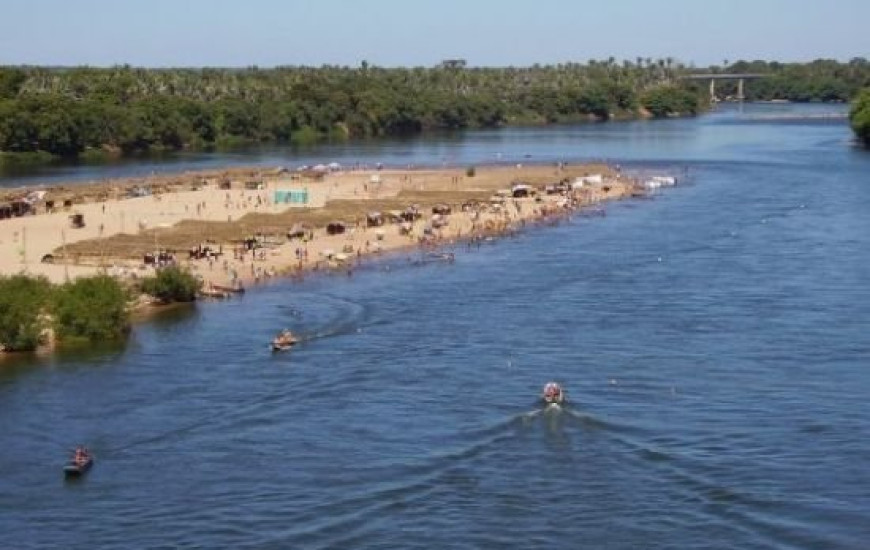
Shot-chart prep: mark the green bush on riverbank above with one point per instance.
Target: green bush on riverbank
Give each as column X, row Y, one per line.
column 172, row 284
column 23, row 301
column 87, row 309
column 670, row 100
column 91, row 308
column 860, row 117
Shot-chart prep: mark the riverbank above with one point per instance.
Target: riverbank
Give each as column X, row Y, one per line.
column 234, row 226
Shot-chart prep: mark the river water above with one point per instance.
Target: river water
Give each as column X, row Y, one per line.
column 714, row 343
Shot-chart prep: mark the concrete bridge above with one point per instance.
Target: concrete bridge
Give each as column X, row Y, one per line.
column 713, row 77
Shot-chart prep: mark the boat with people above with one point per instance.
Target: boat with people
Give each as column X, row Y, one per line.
column 80, row 463
column 284, row 341
column 235, row 289
column 553, row 395
column 211, row 292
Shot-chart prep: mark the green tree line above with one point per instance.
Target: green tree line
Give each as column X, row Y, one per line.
column 820, row 80
column 69, row 111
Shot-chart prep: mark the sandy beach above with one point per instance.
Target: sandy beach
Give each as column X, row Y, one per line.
column 241, row 218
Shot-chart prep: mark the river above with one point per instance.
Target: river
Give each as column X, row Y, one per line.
column 714, row 343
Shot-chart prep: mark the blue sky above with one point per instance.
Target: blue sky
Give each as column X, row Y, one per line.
column 423, row 32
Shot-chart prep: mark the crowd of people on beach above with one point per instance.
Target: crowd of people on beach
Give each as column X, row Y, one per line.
column 260, row 257
column 478, row 223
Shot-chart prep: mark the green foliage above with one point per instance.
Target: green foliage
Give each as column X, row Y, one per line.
column 91, row 308
column 819, row 80
column 860, row 116
column 666, row 101
column 22, row 304
column 172, row 284
column 11, row 80
column 69, row 111
column 305, row 136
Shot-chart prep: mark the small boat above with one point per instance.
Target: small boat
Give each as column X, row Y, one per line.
column 80, row 463
column 553, row 394
column 284, row 341
column 229, row 289
column 213, row 293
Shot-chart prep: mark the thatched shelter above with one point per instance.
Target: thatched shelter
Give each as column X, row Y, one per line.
column 336, row 228
column 442, row 209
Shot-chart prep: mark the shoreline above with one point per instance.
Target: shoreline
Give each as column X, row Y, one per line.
column 348, row 217
column 176, row 177
column 181, row 211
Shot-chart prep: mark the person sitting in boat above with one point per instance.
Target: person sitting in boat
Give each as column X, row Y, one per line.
column 81, row 455
column 284, row 337
column 552, row 393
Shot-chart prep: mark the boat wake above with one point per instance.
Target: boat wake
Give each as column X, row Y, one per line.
column 324, row 316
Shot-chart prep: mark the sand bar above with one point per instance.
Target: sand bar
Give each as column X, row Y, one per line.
column 219, row 210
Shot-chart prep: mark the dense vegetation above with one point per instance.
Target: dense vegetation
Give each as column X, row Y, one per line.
column 90, row 309
column 172, row 284
column 860, row 117
column 820, row 80
column 23, row 301
column 71, row 111
column 75, row 111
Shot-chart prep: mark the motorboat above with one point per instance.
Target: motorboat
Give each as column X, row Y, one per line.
column 553, row 394
column 79, row 464
column 284, row 341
